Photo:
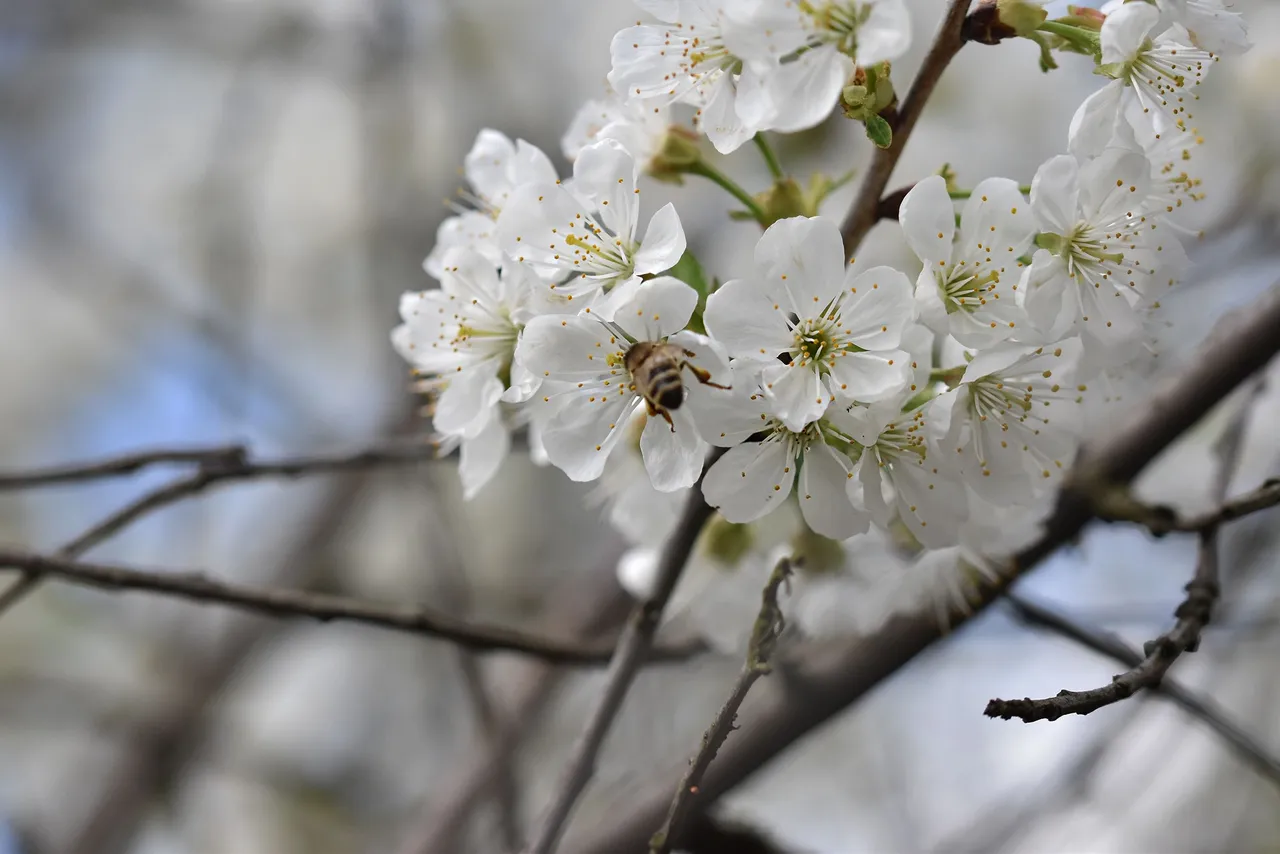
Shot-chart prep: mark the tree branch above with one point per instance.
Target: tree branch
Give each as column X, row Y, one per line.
column 325, row 607
column 1197, row 706
column 830, row 677
column 631, row 651
column 1119, row 506
column 118, row 466
column 216, row 465
column 764, row 636
column 866, row 205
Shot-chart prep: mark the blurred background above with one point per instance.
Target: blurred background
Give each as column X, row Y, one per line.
column 208, row 209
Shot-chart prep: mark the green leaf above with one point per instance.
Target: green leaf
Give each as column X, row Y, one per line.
column 879, row 132
column 689, row 271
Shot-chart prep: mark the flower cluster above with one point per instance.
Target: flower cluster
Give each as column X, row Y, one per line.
column 920, row 403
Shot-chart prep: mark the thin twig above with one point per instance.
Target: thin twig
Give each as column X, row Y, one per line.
column 1201, row 708
column 1193, row 614
column 1118, row 506
column 631, row 651
column 831, row 676
column 216, row 466
column 118, row 466
column 325, row 607
column 764, row 636
column 866, row 206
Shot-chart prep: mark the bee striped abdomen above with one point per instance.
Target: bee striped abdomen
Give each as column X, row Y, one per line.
column 665, row 386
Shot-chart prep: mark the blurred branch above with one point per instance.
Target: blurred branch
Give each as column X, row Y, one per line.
column 117, row 466
column 585, row 611
column 632, row 649
column 325, row 607
column 764, row 636
column 1119, row 506
column 216, row 465
column 866, row 205
column 832, row 676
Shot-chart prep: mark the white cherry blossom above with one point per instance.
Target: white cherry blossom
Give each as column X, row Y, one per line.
column 640, row 126
column 1154, row 78
column 1101, row 253
column 481, row 455
column 1011, row 424
column 707, row 53
column 897, row 474
column 968, row 287
column 827, row 40
column 585, row 238
column 839, row 333
column 1210, row 23
column 755, row 478
column 582, row 362
column 462, row 339
column 494, row 167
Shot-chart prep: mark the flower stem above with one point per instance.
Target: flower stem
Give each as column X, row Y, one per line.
column 1083, row 40
column 711, row 173
column 770, row 158
column 965, row 194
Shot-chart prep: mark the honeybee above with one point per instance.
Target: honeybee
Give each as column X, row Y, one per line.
column 655, row 368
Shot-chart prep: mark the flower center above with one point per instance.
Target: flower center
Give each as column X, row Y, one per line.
column 599, row 253
column 965, row 291
column 837, row 22
column 815, row 342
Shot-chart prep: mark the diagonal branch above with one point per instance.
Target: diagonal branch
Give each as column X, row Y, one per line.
column 632, row 649
column 1118, row 506
column 325, row 607
column 866, row 208
column 764, row 636
column 833, row 676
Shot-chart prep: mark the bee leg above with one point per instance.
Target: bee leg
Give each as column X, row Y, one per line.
column 666, row 416
column 703, row 376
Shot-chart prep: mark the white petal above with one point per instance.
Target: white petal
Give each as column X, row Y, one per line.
column 638, row 572
column 803, row 257
column 579, row 438
column 1113, row 184
column 929, row 307
column 743, row 316
column 488, row 164
column 728, row 418
column 663, row 242
column 804, row 92
column 824, row 497
column 1055, row 193
column 1095, row 123
column 660, row 307
column 606, row 174
column 673, row 457
column 1125, row 30
column 470, row 228
column 705, row 353
column 466, row 405
column 750, row 480
column 482, row 456
column 885, row 34
column 996, row 223
column 569, row 349
column 928, row 220
column 531, row 165
column 1049, row 295
column 719, row 119
column 877, row 308
column 934, row 514
column 798, row 395
column 870, row 377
